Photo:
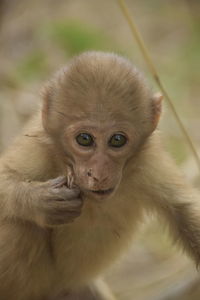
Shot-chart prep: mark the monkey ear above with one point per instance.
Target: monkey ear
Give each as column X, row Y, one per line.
column 157, row 108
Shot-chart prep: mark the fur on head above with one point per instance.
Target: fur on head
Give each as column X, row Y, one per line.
column 99, row 86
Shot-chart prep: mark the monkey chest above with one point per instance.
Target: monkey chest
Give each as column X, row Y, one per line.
column 85, row 249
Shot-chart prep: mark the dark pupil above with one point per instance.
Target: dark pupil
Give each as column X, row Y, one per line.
column 84, row 139
column 117, row 140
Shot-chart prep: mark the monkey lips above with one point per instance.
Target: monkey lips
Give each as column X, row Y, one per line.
column 99, row 194
column 103, row 192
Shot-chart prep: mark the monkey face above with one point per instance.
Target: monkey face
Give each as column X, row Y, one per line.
column 101, row 110
column 98, row 155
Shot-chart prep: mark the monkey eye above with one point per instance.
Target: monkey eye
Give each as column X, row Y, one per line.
column 85, row 139
column 117, row 140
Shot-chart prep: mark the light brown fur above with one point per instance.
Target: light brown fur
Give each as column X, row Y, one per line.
column 40, row 259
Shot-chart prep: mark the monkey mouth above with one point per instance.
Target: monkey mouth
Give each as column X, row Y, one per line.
column 99, row 194
column 103, row 192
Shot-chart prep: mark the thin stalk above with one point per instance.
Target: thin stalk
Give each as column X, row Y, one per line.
column 154, row 73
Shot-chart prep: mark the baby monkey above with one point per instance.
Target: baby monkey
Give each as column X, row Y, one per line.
column 78, row 180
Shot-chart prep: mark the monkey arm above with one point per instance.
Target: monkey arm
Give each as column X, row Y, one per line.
column 21, row 168
column 181, row 209
column 31, row 185
column 174, row 199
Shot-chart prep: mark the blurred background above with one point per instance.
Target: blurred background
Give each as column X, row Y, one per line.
column 37, row 37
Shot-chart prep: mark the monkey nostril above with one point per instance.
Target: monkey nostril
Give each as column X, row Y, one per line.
column 89, row 173
column 101, row 180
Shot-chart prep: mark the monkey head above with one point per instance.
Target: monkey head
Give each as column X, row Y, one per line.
column 99, row 110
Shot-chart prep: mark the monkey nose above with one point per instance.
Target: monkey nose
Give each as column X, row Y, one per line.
column 99, row 179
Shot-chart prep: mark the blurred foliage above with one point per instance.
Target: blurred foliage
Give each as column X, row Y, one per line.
column 75, row 37
column 72, row 37
column 176, row 146
column 32, row 66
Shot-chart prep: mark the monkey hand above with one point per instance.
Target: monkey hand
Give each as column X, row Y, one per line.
column 57, row 204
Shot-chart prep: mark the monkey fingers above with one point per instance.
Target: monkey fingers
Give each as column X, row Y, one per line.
column 58, row 182
column 61, row 212
column 64, row 193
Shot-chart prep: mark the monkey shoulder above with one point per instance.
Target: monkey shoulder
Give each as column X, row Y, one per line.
column 32, row 154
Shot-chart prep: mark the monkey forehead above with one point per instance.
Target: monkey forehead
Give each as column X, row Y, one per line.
column 101, row 116
column 91, row 125
column 98, row 77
